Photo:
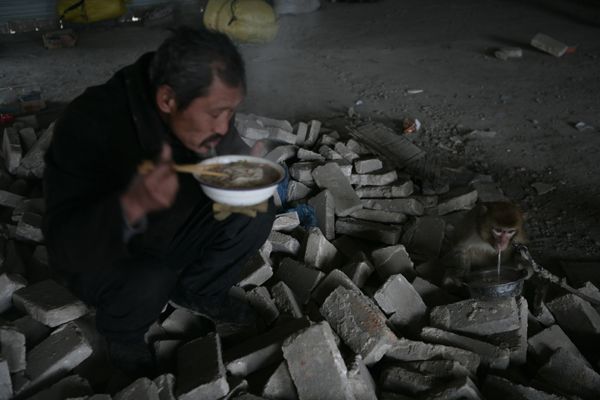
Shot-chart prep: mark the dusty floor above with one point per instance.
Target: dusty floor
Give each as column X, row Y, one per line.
column 322, row 63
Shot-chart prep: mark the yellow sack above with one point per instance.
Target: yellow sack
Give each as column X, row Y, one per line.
column 251, row 21
column 85, row 11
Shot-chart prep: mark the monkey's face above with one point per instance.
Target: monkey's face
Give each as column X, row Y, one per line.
column 502, row 237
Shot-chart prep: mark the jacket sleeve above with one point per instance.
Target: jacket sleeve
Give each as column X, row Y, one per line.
column 83, row 225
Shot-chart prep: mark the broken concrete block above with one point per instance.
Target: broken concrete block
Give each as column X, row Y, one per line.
column 299, row 278
column 11, row 149
column 581, row 380
column 332, row 281
column 328, row 139
column 8, row 199
column 398, row 296
column 285, row 300
column 357, row 147
column 329, row 154
column 360, row 324
column 409, row 350
column 362, row 383
column 70, row 387
column 261, row 300
column 385, row 192
column 393, row 260
column 458, row 389
column 165, row 384
column 307, row 155
column 406, row 206
column 477, row 317
column 400, row 379
column 380, row 179
column 33, row 330
column 498, row 388
column 282, row 153
column 262, row 350
column 325, row 213
column 323, row 364
column 142, row 388
column 12, row 344
column 256, row 271
column 283, row 243
column 463, row 202
column 379, row 216
column 49, row 303
column 286, row 222
column 302, row 171
column 359, row 271
column 330, row 177
column 313, row 132
column 549, row 45
column 515, row 339
column 29, row 228
column 301, row 133
column 280, row 386
column 345, row 152
column 279, row 135
column 345, row 167
column 6, row 390
column 320, row 253
column 200, row 369
column 9, row 283
column 494, row 356
column 505, row 53
column 57, row 355
column 367, row 165
column 387, row 234
column 545, row 343
column 32, row 165
column 423, row 237
column 297, row 190
column 575, row 314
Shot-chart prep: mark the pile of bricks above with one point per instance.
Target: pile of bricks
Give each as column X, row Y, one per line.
column 351, row 308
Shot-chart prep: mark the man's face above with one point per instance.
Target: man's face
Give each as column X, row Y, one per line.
column 205, row 121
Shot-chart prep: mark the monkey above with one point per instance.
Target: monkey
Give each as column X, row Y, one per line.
column 487, row 229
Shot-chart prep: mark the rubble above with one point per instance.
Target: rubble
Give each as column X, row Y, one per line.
column 549, row 45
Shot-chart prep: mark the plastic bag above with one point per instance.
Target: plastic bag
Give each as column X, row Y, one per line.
column 251, row 21
column 86, row 11
column 295, row 6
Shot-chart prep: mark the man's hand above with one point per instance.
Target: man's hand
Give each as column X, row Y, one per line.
column 152, row 191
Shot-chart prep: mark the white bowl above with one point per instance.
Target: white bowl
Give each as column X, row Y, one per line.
column 245, row 196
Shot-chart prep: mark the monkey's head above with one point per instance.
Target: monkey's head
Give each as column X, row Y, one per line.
column 499, row 223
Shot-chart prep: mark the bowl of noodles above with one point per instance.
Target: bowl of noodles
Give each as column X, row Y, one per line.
column 238, row 180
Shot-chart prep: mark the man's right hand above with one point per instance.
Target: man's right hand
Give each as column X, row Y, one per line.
column 152, row 191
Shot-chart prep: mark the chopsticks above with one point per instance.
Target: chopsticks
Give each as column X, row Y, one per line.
column 196, row 169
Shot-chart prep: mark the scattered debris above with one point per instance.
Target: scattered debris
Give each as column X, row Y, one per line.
column 479, row 134
column 549, row 45
column 583, row 127
column 505, row 53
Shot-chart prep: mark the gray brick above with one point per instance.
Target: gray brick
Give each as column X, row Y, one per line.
column 286, row 300
column 345, row 152
column 29, row 228
column 400, row 379
column 297, row 190
column 302, row 171
column 463, row 202
column 33, row 330
column 423, row 237
column 9, row 283
column 379, row 216
column 57, row 355
column 142, row 388
column 345, row 167
column 280, row 386
column 516, row 339
column 546, row 342
column 328, row 139
column 320, row 253
column 281, row 135
column 165, row 384
column 262, row 350
column 8, row 199
column 314, row 129
column 11, row 149
column 398, row 297
column 477, row 317
column 28, row 138
column 496, row 387
column 283, row 243
column 387, row 234
column 361, row 381
column 392, row 260
column 69, row 387
column 12, row 344
column 357, row 147
column 431, row 294
column 301, row 133
column 261, row 300
column 286, row 222
column 581, row 380
column 299, row 278
column 574, row 314
column 325, row 212
column 380, row 179
column 406, row 206
column 494, row 356
column 549, row 45
column 32, row 165
column 200, row 369
column 322, row 363
column 256, row 271
column 332, row 281
column 282, row 153
column 6, row 390
column 49, row 303
column 385, row 192
column 367, row 165
column 328, row 153
column 359, row 323
column 330, row 177
column 458, row 389
column 359, row 271
column 307, row 155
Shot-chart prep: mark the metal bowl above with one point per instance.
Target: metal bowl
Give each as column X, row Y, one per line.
column 237, row 196
column 488, row 285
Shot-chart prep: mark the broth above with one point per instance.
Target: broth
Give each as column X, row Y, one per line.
column 241, row 175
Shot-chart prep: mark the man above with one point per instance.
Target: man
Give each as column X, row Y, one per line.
column 130, row 242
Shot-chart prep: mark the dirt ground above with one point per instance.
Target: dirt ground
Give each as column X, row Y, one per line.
column 322, row 63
